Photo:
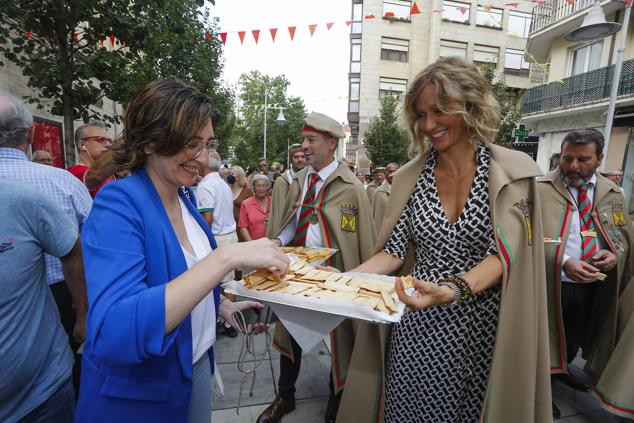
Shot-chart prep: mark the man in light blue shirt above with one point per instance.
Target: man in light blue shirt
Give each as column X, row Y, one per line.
column 66, row 191
column 36, row 359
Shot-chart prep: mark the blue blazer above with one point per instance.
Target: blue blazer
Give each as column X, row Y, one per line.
column 131, row 372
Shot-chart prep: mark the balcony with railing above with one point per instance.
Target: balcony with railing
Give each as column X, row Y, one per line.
column 552, row 11
column 577, row 90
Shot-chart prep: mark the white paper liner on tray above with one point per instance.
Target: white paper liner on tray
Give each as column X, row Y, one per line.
column 308, row 319
column 337, row 307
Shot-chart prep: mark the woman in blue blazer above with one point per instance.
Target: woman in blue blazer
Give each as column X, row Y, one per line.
column 151, row 275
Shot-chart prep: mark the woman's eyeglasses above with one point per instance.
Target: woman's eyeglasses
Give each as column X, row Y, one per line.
column 193, row 149
column 100, row 140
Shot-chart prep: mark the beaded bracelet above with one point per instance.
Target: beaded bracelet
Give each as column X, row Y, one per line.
column 462, row 290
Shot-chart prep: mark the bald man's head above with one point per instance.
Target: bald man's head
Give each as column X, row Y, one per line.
column 43, row 157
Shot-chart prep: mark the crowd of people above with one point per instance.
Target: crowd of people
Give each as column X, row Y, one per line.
column 111, row 271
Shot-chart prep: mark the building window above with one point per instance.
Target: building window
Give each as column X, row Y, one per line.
column 392, row 87
column 353, row 106
column 453, row 48
column 355, row 55
column 514, row 62
column 489, row 17
column 485, row 54
column 455, row 12
column 519, row 24
column 357, row 18
column 394, row 49
column 398, row 9
column 586, row 58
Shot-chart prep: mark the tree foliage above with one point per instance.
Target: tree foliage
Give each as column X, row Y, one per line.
column 508, row 105
column 248, row 135
column 66, row 52
column 385, row 140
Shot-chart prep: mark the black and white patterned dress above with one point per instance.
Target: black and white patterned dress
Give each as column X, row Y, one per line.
column 439, row 359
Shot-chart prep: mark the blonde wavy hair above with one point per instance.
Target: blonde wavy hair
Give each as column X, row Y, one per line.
column 460, row 89
column 238, row 172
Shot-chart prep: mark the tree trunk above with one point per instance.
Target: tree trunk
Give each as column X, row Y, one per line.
column 67, row 100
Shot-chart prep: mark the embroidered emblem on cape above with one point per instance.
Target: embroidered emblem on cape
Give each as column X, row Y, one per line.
column 6, row 245
column 349, row 213
column 617, row 213
column 525, row 207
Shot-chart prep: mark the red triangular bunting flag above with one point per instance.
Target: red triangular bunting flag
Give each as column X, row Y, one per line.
column 389, row 14
column 312, row 28
column 463, row 10
column 256, row 34
column 368, row 17
column 512, row 4
column 570, row 2
column 348, row 23
column 241, row 35
column 111, row 39
column 208, row 37
column 415, row 10
column 628, row 3
column 291, row 31
column 329, row 25
column 273, row 33
column 223, row 37
column 27, row 34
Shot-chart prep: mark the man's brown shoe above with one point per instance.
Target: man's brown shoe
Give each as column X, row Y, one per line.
column 573, row 382
column 274, row 412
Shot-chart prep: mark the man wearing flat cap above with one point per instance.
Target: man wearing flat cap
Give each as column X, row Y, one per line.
column 326, row 206
column 282, row 184
column 379, row 174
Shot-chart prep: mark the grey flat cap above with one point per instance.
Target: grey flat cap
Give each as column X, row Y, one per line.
column 324, row 123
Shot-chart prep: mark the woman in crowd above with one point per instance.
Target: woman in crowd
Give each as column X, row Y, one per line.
column 255, row 210
column 151, row 274
column 237, row 180
column 475, row 344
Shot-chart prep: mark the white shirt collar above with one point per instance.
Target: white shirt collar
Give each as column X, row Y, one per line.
column 326, row 171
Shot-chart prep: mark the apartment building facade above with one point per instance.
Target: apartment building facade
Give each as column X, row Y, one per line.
column 576, row 91
column 391, row 41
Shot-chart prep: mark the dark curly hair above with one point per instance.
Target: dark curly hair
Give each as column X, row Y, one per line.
column 164, row 115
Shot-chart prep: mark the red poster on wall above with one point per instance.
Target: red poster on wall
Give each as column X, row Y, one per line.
column 48, row 136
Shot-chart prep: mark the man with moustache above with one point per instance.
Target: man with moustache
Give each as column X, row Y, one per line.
column 382, row 195
column 283, row 183
column 379, row 175
column 588, row 234
column 328, row 207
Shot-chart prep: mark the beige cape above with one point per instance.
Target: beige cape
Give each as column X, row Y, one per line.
column 345, row 221
column 608, row 346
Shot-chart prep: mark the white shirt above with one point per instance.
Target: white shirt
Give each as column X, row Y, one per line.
column 214, row 195
column 204, row 314
column 574, row 249
column 289, row 175
column 313, row 237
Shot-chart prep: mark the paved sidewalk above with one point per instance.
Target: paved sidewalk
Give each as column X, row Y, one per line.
column 312, row 388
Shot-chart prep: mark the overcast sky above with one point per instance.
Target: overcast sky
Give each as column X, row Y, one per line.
column 317, row 66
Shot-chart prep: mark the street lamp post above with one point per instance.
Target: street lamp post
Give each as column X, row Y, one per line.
column 595, row 27
column 280, row 120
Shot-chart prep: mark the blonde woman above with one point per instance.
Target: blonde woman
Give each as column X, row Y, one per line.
column 475, row 344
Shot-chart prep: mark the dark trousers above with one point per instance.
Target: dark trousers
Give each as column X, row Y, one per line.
column 64, row 301
column 289, row 372
column 58, row 408
column 577, row 300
